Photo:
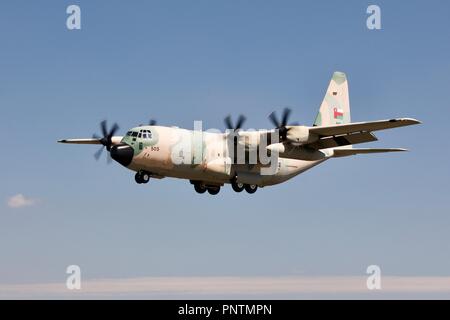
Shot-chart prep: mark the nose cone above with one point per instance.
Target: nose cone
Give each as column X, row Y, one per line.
column 122, row 153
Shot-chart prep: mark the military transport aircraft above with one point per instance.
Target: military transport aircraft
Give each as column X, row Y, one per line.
column 246, row 159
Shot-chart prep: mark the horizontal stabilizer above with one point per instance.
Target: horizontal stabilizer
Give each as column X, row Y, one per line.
column 362, row 126
column 352, row 152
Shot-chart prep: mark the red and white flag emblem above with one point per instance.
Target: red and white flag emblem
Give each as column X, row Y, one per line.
column 338, row 113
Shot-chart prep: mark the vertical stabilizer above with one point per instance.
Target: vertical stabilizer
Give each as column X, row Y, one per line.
column 335, row 107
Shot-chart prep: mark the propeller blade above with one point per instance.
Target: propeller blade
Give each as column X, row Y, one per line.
column 106, row 139
column 240, row 122
column 286, row 114
column 274, row 119
column 103, row 126
column 98, row 153
column 281, row 126
column 113, row 129
column 108, row 158
column 228, row 123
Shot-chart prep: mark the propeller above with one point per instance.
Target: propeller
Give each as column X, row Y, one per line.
column 152, row 122
column 240, row 121
column 106, row 140
column 236, row 127
column 281, row 125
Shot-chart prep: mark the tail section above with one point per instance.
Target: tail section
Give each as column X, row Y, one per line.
column 335, row 107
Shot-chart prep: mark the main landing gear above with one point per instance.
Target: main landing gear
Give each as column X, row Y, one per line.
column 239, row 186
column 251, row 188
column 142, row 177
column 201, row 188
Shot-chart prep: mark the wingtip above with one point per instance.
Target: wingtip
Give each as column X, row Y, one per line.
column 412, row 120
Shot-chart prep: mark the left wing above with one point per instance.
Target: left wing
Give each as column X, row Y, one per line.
column 114, row 140
column 81, row 141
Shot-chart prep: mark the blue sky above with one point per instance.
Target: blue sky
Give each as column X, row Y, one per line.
column 180, row 61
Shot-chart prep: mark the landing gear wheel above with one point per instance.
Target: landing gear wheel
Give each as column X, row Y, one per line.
column 142, row 177
column 199, row 188
column 145, row 177
column 137, row 178
column 251, row 188
column 213, row 190
column 237, row 186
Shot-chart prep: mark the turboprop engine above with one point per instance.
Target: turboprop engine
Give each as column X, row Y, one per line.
column 300, row 135
column 219, row 166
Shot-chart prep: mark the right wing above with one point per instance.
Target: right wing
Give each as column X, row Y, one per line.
column 348, row 128
column 342, row 140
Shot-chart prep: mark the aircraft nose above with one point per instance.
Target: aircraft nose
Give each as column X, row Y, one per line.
column 122, row 153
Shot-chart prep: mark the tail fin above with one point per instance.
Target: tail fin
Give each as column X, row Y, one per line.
column 335, row 107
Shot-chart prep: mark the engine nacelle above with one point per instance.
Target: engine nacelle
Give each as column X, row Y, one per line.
column 297, row 152
column 219, row 166
column 116, row 140
column 300, row 135
column 276, row 147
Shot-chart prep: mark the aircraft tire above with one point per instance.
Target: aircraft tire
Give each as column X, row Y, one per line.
column 251, row 188
column 213, row 190
column 145, row 177
column 137, row 178
column 237, row 187
column 199, row 188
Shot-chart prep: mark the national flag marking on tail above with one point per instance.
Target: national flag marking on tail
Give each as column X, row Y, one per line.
column 338, row 113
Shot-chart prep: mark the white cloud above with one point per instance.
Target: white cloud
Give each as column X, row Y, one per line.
column 20, row 201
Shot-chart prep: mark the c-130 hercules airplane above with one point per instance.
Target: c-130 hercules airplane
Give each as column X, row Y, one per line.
column 245, row 159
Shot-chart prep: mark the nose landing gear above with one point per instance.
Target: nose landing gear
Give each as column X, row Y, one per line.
column 142, row 177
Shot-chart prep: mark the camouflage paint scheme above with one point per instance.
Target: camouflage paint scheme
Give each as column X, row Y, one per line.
column 155, row 155
column 159, row 151
column 158, row 160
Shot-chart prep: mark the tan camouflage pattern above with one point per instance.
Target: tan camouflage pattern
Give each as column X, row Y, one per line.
column 208, row 157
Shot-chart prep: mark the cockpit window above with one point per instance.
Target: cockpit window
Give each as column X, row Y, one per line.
column 143, row 134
